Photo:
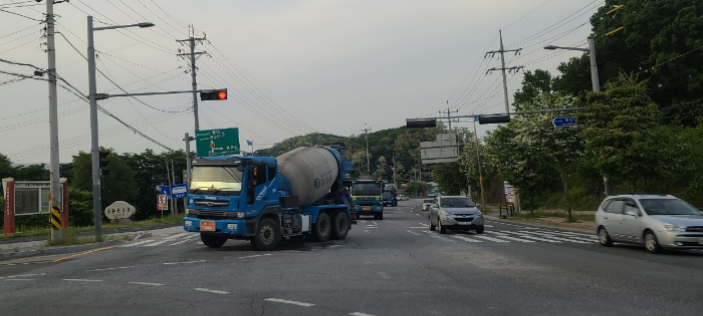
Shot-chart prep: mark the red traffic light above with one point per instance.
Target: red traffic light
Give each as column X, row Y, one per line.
column 213, row 95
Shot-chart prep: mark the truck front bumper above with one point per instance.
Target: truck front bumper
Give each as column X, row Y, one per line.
column 232, row 227
column 369, row 209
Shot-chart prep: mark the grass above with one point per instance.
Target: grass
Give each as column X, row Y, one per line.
column 72, row 231
column 576, row 217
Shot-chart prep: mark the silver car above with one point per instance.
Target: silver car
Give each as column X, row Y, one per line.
column 455, row 213
column 655, row 221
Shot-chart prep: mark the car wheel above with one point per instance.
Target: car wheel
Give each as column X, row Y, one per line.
column 442, row 230
column 479, row 230
column 604, row 238
column 432, row 226
column 651, row 243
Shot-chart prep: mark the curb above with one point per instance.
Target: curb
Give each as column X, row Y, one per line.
column 539, row 224
column 58, row 251
column 88, row 233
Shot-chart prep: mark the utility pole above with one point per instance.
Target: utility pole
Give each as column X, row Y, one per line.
column 170, row 188
column 395, row 183
column 502, row 68
column 173, row 176
column 189, row 158
column 192, row 42
column 368, row 159
column 595, row 84
column 54, row 175
column 480, row 174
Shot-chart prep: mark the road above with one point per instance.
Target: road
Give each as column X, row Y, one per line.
column 391, row 267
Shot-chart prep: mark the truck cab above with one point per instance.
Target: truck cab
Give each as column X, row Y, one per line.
column 249, row 198
column 368, row 197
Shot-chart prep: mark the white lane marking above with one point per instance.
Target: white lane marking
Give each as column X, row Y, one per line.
column 359, row 314
column 82, row 280
column 418, row 214
column 434, row 235
column 389, row 220
column 158, row 243
column 176, row 236
column 488, row 225
column 465, row 238
column 146, row 283
column 501, row 235
column 268, row 254
column 106, row 269
column 199, row 243
column 184, row 262
column 138, row 243
column 555, row 237
column 423, row 227
column 278, row 300
column 211, row 291
column 384, row 275
column 363, row 221
column 423, row 224
column 368, row 232
column 25, row 275
column 333, row 246
column 374, row 223
column 19, row 280
column 535, row 238
column 414, row 233
column 371, row 227
column 489, row 238
column 572, row 234
column 180, row 242
column 578, row 237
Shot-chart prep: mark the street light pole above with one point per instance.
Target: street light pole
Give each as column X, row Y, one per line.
column 94, row 144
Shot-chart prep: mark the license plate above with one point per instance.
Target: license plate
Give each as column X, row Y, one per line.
column 464, row 223
column 207, row 226
column 366, row 208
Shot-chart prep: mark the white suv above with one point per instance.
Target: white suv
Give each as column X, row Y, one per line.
column 655, row 221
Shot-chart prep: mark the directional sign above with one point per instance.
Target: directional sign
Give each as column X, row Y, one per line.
column 177, row 191
column 217, row 142
column 564, row 121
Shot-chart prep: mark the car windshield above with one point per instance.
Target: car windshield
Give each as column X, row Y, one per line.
column 428, row 201
column 457, row 202
column 366, row 189
column 220, row 179
column 668, row 207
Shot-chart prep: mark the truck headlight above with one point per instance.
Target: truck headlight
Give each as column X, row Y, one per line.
column 232, row 226
column 240, row 214
column 188, row 223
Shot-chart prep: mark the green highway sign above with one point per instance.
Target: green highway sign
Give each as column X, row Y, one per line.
column 217, row 142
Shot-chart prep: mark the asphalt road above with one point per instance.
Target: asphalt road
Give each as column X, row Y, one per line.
column 384, row 268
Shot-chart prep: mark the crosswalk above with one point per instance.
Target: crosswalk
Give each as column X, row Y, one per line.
column 506, row 236
column 173, row 240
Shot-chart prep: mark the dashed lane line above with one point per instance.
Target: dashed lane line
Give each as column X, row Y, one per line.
column 434, row 235
column 278, row 300
column 82, row 280
column 414, row 233
column 185, row 262
column 253, row 256
column 25, row 275
column 147, row 283
column 107, row 269
column 211, row 291
column 535, row 238
column 163, row 241
column 180, row 242
column 489, row 238
column 359, row 314
column 19, row 280
column 558, row 238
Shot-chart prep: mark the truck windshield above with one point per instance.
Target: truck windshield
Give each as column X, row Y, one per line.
column 220, row 179
column 387, row 194
column 366, row 189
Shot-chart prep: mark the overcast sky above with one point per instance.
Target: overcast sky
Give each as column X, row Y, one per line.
column 291, row 67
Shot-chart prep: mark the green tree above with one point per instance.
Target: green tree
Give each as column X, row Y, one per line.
column 380, row 173
column 449, row 177
column 117, row 185
column 533, row 84
column 419, row 189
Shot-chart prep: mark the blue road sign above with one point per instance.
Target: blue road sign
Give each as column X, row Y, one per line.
column 179, row 191
column 564, row 121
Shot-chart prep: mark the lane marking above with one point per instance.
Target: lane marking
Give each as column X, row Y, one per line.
column 333, row 246
column 180, row 242
column 434, row 235
column 374, row 223
column 488, row 225
column 414, row 233
column 423, row 227
column 56, row 260
column 211, row 291
column 268, row 254
column 146, row 283
column 572, row 234
column 278, row 300
column 368, row 232
column 489, row 238
column 389, row 220
column 19, row 280
column 423, row 224
column 418, row 214
column 138, row 243
column 466, row 239
column 535, row 238
column 577, row 237
column 199, row 243
column 82, row 280
column 558, row 238
column 371, row 227
column 176, row 236
column 185, row 262
column 501, row 235
column 25, row 275
column 157, row 243
column 359, row 314
column 106, row 269
column 384, row 275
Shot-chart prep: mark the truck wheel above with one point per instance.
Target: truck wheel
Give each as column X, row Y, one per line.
column 340, row 225
column 380, row 216
column 267, row 235
column 213, row 241
column 322, row 229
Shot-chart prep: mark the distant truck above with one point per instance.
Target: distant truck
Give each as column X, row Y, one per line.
column 390, row 196
column 367, row 194
column 266, row 199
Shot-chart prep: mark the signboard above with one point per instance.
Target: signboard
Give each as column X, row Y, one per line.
column 119, row 210
column 509, row 192
column 32, row 198
column 564, row 121
column 177, row 191
column 161, row 203
column 217, row 142
column 445, row 149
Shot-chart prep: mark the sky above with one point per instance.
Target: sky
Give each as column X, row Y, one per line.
column 291, row 67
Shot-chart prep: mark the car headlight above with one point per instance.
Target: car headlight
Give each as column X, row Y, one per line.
column 446, row 213
column 479, row 213
column 673, row 227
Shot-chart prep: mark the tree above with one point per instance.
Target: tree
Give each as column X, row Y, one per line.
column 533, row 85
column 449, row 178
column 117, row 185
column 417, row 187
column 615, row 119
column 380, row 173
column 575, row 77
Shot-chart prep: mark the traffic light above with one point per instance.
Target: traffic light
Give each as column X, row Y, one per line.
column 220, row 94
column 493, row 118
column 420, row 123
column 103, row 163
column 408, row 179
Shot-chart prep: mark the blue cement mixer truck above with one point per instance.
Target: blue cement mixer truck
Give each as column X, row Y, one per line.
column 264, row 199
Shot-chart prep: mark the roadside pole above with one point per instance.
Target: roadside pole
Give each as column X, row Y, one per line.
column 55, row 205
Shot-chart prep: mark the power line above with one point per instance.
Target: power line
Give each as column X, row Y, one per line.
column 162, row 20
column 24, row 29
column 528, row 13
column 167, row 14
column 135, row 20
column 21, row 15
column 552, row 27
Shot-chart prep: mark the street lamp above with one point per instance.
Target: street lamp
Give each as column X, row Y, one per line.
column 94, row 119
column 595, row 82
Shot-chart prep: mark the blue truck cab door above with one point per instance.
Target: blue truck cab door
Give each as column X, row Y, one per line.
column 261, row 187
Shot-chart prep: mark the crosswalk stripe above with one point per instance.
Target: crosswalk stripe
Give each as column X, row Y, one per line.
column 572, row 234
column 137, row 243
column 157, row 243
column 535, row 238
column 465, row 238
column 577, row 237
column 491, row 239
column 180, row 242
column 434, row 235
column 559, row 238
column 501, row 235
